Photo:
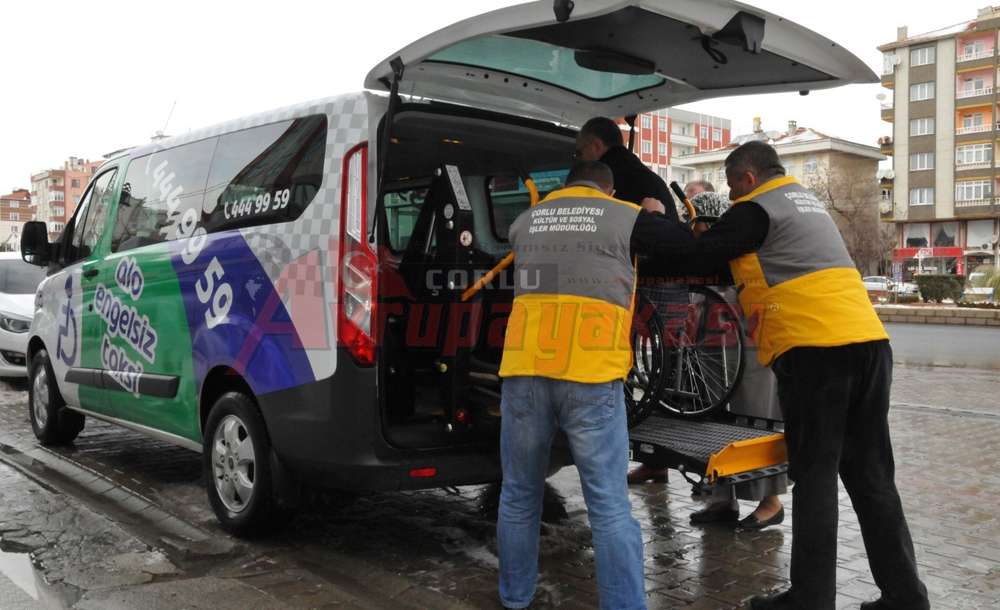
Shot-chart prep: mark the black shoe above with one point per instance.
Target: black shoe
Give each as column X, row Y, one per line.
column 776, row 601
column 753, row 523
column 726, row 514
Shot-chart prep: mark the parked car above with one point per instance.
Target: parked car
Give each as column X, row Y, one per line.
column 878, row 283
column 18, row 283
column 906, row 288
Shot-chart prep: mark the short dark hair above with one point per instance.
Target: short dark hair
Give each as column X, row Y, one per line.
column 605, row 130
column 757, row 157
column 704, row 184
column 591, row 171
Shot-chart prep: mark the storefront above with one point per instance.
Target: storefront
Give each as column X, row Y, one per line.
column 922, row 261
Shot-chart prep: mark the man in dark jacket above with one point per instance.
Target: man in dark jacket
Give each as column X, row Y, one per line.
column 600, row 139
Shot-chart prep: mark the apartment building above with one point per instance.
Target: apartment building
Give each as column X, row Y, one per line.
column 15, row 210
column 55, row 193
column 806, row 154
column 944, row 131
column 662, row 137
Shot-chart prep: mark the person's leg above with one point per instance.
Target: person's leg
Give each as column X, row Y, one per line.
column 723, row 507
column 526, row 431
column 868, row 471
column 813, row 389
column 593, row 418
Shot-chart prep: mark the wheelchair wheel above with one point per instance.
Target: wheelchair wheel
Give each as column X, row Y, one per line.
column 642, row 386
column 704, row 346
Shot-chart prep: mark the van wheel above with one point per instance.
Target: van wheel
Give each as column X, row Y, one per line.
column 52, row 423
column 235, row 462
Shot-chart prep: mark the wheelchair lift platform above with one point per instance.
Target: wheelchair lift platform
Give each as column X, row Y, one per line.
column 709, row 452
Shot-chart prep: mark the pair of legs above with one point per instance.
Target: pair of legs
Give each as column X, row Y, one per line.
column 835, row 402
column 593, row 418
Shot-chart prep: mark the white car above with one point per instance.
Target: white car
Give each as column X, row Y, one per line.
column 907, row 288
column 18, row 283
column 877, row 283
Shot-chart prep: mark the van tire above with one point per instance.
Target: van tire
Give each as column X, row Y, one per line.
column 52, row 422
column 228, row 470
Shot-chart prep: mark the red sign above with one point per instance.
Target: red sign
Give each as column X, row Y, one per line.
column 902, row 254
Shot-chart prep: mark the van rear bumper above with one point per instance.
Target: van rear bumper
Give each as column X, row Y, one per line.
column 329, row 434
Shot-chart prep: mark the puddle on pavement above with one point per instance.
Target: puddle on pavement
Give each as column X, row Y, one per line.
column 17, row 567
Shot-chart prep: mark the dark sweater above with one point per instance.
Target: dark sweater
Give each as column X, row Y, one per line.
column 634, row 181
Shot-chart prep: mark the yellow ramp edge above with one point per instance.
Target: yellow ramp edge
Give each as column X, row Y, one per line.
column 744, row 456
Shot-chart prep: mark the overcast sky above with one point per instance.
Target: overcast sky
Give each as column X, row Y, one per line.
column 87, row 78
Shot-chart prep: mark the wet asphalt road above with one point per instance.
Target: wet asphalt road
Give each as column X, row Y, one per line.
column 436, row 548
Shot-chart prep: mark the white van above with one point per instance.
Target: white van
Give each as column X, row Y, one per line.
column 282, row 292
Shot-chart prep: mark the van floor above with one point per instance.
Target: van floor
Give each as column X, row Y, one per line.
column 427, row 426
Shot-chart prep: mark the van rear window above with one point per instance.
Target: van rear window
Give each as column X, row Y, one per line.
column 543, row 62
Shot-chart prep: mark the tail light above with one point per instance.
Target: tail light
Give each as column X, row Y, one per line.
column 356, row 313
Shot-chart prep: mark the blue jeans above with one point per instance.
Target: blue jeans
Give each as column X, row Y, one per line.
column 593, row 417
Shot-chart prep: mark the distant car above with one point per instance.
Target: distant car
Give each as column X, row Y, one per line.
column 877, row 283
column 18, row 283
column 907, row 288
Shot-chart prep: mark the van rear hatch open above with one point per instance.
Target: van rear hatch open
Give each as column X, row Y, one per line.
column 616, row 58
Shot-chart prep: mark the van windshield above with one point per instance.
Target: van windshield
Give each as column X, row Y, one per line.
column 543, row 62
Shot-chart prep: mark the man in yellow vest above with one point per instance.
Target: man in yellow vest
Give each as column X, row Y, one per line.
column 566, row 351
column 815, row 327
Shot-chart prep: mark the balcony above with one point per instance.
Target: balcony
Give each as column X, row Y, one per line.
column 964, row 94
column 683, row 139
column 888, row 112
column 987, row 54
column 885, row 145
column 963, row 131
column 974, row 203
column 961, row 167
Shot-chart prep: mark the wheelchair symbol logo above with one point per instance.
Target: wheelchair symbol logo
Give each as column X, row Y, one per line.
column 66, row 335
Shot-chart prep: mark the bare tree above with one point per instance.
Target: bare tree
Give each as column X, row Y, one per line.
column 852, row 200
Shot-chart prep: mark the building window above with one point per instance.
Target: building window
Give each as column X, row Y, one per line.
column 944, row 234
column 888, row 63
column 922, row 127
column 922, row 57
column 979, row 234
column 886, row 194
column 15, row 204
column 58, row 212
column 973, row 86
column 972, row 49
column 663, row 149
column 972, row 120
column 917, row 235
column 974, row 154
column 704, row 132
column 15, row 216
column 973, row 190
column 922, row 196
column 74, row 183
column 647, row 147
column 810, row 166
column 647, row 121
column 662, row 125
column 58, row 196
column 922, row 91
column 921, row 161
column 716, row 135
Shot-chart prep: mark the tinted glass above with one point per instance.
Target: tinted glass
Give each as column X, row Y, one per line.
column 401, row 211
column 265, row 174
column 509, row 197
column 18, row 277
column 543, row 62
column 158, row 189
column 100, row 204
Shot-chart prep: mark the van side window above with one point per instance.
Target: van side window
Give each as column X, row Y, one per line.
column 265, row 174
column 508, row 196
column 158, row 189
column 86, row 226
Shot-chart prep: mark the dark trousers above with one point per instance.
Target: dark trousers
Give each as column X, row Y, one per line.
column 835, row 401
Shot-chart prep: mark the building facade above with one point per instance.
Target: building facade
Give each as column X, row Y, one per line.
column 944, row 131
column 662, row 137
column 15, row 210
column 55, row 193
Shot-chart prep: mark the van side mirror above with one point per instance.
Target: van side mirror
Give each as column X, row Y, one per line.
column 35, row 246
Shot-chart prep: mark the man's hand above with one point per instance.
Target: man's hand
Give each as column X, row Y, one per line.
column 653, row 205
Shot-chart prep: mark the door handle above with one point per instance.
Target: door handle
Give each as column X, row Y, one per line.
column 90, row 273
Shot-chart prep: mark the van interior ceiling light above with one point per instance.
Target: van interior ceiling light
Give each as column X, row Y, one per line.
column 743, row 30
